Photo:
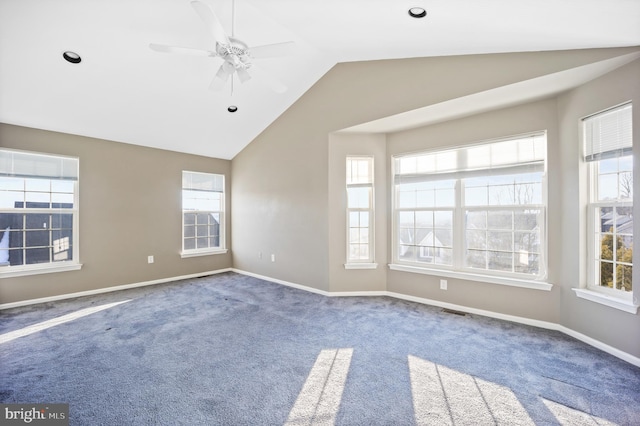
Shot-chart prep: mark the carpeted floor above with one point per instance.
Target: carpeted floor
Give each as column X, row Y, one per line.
column 235, row 350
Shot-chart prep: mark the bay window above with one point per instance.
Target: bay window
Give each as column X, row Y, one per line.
column 477, row 209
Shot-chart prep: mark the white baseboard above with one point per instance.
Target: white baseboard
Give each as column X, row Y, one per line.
column 108, row 289
column 520, row 320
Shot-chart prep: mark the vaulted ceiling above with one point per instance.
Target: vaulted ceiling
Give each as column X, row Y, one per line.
column 125, row 92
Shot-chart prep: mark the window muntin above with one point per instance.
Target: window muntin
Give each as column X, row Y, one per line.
column 607, row 149
column 477, row 209
column 38, row 210
column 360, row 209
column 202, row 212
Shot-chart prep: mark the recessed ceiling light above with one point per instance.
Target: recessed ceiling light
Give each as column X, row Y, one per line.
column 417, row 12
column 72, row 57
column 232, row 108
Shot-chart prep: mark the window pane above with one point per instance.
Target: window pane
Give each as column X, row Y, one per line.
column 500, row 220
column 443, row 219
column 359, row 197
column 501, row 195
column 500, row 240
column 526, row 220
column 37, row 255
column 41, row 185
column 500, row 261
column 626, row 185
column 189, row 218
column 424, row 219
column 476, row 239
column 476, row 259
column 202, row 230
column 476, row 196
column 527, row 263
column 63, row 186
column 476, row 219
column 445, row 198
column 425, row 198
column 527, row 241
column 406, row 219
column 364, row 219
column 189, row 244
column 608, row 187
column 406, row 199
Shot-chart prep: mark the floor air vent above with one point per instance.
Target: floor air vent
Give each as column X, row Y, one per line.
column 451, row 311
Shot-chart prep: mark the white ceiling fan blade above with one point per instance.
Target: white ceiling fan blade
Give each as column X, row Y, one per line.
column 221, row 77
column 243, row 75
column 275, row 84
column 181, row 50
column 211, row 21
column 272, row 50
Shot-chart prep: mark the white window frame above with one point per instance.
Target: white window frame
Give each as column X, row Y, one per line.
column 221, row 249
column 52, row 167
column 359, row 182
column 612, row 297
column 457, row 269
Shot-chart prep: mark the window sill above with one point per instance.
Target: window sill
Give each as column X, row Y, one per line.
column 21, row 271
column 605, row 299
column 512, row 282
column 360, row 265
column 196, row 253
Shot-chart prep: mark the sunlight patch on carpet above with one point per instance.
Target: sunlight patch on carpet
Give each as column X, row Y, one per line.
column 570, row 416
column 320, row 397
column 12, row 335
column 444, row 396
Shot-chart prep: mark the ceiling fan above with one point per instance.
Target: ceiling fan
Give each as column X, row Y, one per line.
column 237, row 56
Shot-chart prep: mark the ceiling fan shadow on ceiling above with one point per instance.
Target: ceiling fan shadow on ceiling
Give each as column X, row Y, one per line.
column 237, row 56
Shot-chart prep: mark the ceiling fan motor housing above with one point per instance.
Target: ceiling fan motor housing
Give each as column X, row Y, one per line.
column 236, row 52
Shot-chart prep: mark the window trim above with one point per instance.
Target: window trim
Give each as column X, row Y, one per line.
column 457, row 268
column 369, row 263
column 611, row 297
column 222, row 248
column 72, row 264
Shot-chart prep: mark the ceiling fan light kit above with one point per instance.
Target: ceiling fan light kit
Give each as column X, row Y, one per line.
column 236, row 54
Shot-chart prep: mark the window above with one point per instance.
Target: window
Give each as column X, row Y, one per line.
column 607, row 149
column 38, row 213
column 360, row 210
column 478, row 209
column 202, row 213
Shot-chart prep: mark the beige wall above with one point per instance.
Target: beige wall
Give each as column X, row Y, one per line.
column 288, row 184
column 535, row 304
column 340, row 147
column 280, row 180
column 616, row 328
column 130, row 207
column 288, row 189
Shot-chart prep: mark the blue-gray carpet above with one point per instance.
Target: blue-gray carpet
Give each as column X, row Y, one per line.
column 235, row 350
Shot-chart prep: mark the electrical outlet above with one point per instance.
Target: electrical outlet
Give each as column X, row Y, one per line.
column 149, row 259
column 443, row 284
column 273, row 257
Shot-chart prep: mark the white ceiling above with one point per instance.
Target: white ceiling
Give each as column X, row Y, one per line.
column 125, row 92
